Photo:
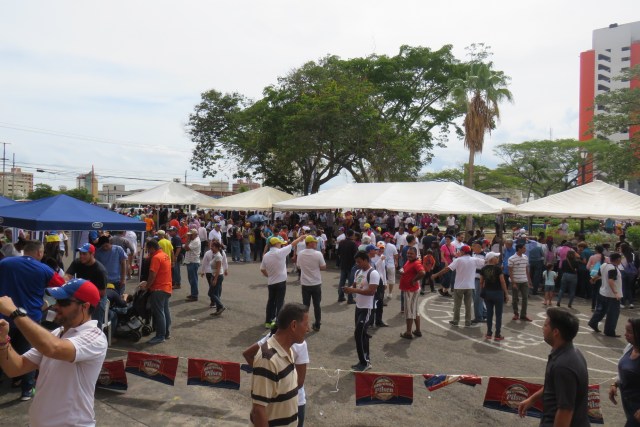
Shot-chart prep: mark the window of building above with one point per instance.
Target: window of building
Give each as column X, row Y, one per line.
column 603, row 88
column 608, row 50
column 625, row 48
column 602, row 67
column 604, row 78
column 602, row 57
column 626, row 58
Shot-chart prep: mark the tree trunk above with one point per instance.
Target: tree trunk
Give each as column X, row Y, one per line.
column 469, row 184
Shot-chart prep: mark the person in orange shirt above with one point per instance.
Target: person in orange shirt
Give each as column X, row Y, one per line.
column 149, row 221
column 429, row 263
column 160, row 286
column 183, row 230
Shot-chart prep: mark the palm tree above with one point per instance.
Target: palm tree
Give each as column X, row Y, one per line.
column 479, row 92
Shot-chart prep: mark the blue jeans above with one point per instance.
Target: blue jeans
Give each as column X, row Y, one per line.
column 446, row 280
column 246, row 253
column 479, row 311
column 159, row 301
column 609, row 307
column 495, row 303
column 192, row 274
column 215, row 291
column 235, row 250
column 569, row 280
column 345, row 278
column 536, row 268
column 175, row 274
column 301, row 415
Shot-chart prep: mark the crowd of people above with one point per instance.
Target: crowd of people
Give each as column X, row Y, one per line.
column 374, row 252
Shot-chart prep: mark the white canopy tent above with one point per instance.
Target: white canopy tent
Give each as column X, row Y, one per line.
column 260, row 199
column 595, row 200
column 170, row 193
column 431, row 197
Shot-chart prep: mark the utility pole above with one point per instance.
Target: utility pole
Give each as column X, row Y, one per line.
column 4, row 159
column 185, row 177
column 13, row 177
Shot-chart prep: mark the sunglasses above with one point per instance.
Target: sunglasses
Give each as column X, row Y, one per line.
column 67, row 302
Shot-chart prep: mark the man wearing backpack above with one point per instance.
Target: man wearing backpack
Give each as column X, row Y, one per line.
column 610, row 296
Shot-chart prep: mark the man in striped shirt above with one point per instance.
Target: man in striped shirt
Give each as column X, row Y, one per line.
column 520, row 281
column 274, row 384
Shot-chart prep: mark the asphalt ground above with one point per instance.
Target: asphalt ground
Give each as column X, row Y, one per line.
column 330, row 388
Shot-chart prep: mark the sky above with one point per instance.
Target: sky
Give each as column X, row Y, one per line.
column 111, row 84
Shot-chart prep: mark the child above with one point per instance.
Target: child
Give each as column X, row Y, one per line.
column 549, row 277
column 429, row 263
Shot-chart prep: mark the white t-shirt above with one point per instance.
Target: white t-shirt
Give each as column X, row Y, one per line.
column 366, row 301
column 451, row 221
column 390, row 251
column 275, row 262
column 381, row 267
column 310, row 261
column 66, row 390
column 133, row 239
column 465, row 268
column 401, row 239
column 605, row 289
column 215, row 235
column 300, row 357
column 63, row 237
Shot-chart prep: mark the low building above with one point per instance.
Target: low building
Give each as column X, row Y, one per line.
column 16, row 184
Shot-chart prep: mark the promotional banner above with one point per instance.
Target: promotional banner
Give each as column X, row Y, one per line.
column 435, row 382
column 505, row 394
column 112, row 376
column 213, row 373
column 157, row 367
column 373, row 389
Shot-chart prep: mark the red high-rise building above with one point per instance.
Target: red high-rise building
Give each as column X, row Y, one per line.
column 614, row 49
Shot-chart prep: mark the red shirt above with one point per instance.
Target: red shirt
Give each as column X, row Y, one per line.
column 411, row 270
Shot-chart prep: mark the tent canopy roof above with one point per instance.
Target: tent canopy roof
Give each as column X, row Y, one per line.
column 4, row 201
column 170, row 193
column 63, row 212
column 262, row 198
column 431, row 197
column 596, row 200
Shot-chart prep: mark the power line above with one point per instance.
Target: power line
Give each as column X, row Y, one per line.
column 81, row 137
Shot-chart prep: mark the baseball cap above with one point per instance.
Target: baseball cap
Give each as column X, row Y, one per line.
column 217, row 224
column 370, row 248
column 310, row 239
column 306, row 228
column 172, row 228
column 415, row 228
column 367, row 225
column 52, row 238
column 87, row 247
column 381, row 245
column 491, row 255
column 387, row 234
column 161, row 232
column 80, row 289
column 275, row 240
column 465, row 249
column 193, row 231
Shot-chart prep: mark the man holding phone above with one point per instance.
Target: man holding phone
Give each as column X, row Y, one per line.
column 69, row 359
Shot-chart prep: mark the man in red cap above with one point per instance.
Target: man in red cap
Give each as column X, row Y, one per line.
column 69, row 359
column 465, row 267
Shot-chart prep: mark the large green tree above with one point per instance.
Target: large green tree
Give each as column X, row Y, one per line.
column 377, row 118
column 41, row 191
column 485, row 179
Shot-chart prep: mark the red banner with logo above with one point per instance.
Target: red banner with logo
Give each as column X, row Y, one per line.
column 375, row 389
column 505, row 394
column 112, row 376
column 157, row 367
column 435, row 382
column 213, row 373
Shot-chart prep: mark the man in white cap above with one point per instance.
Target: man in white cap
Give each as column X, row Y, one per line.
column 274, row 268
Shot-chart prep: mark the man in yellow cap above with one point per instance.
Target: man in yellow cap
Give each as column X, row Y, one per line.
column 369, row 232
column 311, row 262
column 274, row 268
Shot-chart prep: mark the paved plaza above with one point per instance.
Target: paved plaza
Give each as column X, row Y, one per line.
column 330, row 393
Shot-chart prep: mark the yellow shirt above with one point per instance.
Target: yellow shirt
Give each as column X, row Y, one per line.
column 166, row 246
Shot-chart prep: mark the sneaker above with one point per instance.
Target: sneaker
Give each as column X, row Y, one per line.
column 498, row 337
column 451, row 322
column 267, row 325
column 316, row 328
column 191, row 298
column 28, row 395
column 526, row 318
column 218, row 312
column 488, row 336
column 516, row 316
column 594, row 327
column 360, row 367
column 630, row 305
column 155, row 340
column 622, row 306
column 467, row 324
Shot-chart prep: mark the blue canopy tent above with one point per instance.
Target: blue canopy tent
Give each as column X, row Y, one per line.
column 63, row 212
column 4, row 201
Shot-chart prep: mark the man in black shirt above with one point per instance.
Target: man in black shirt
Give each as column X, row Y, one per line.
column 87, row 267
column 566, row 381
column 178, row 254
column 347, row 250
